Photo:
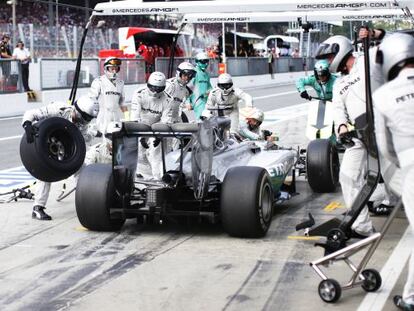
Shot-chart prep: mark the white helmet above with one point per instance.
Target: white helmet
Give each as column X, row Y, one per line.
column 112, row 62
column 393, row 53
column 87, row 108
column 225, row 83
column 156, row 82
column 202, row 56
column 257, row 115
column 339, row 46
column 113, row 127
column 185, row 68
column 202, row 60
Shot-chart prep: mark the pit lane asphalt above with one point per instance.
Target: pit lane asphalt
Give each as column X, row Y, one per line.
column 58, row 265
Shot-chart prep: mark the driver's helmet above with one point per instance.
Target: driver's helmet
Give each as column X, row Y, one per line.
column 112, row 62
column 321, row 69
column 156, row 83
column 225, row 83
column 185, row 68
column 257, row 115
column 86, row 108
column 393, row 54
column 202, row 60
column 338, row 47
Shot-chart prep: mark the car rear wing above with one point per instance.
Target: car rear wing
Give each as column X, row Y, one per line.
column 125, row 147
column 132, row 128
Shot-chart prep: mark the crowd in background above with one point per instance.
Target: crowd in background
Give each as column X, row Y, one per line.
column 63, row 42
column 48, row 42
column 149, row 52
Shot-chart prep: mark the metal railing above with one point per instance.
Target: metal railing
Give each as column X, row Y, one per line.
column 58, row 73
column 10, row 76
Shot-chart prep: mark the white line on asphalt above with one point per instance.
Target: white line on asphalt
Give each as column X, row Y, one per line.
column 10, row 118
column 10, row 137
column 390, row 274
column 274, row 95
column 278, row 115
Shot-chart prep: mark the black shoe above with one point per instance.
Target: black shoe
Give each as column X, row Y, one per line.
column 380, row 210
column 39, row 213
column 400, row 303
column 356, row 235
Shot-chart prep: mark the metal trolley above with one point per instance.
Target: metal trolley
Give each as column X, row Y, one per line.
column 369, row 279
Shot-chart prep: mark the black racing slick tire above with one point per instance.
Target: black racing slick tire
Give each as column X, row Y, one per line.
column 58, row 150
column 95, row 195
column 246, row 202
column 322, row 166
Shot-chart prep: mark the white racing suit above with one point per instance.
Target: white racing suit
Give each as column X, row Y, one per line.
column 100, row 153
column 231, row 102
column 110, row 95
column 348, row 104
column 394, row 119
column 57, row 109
column 251, row 134
column 149, row 109
column 178, row 93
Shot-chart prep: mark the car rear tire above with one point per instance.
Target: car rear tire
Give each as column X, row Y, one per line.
column 322, row 165
column 58, row 150
column 95, row 195
column 247, row 202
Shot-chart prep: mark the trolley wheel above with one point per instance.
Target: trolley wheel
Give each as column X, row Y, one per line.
column 372, row 280
column 336, row 235
column 329, row 290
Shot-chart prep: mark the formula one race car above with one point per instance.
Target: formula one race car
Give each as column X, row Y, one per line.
column 209, row 176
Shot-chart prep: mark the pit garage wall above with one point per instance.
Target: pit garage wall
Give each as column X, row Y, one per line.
column 16, row 104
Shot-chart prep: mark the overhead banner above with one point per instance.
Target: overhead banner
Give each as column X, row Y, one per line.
column 132, row 7
column 325, row 16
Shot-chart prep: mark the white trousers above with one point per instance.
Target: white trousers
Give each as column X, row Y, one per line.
column 352, row 177
column 150, row 161
column 408, row 201
column 383, row 195
column 42, row 193
column 43, row 189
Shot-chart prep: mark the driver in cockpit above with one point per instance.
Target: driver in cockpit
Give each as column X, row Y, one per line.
column 250, row 129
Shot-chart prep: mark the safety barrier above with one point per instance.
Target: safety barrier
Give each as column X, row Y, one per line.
column 59, row 73
column 10, row 76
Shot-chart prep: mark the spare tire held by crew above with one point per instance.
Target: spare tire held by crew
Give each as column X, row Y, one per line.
column 57, row 152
